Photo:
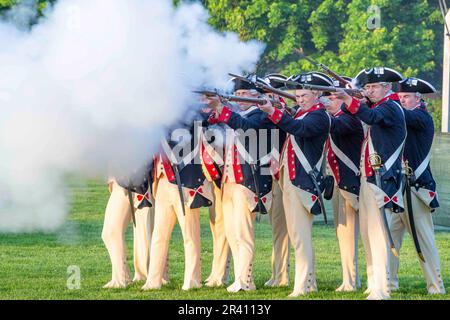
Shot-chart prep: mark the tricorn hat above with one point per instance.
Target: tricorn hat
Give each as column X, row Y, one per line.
column 337, row 84
column 242, row 85
column 275, row 80
column 248, row 85
column 415, row 85
column 314, row 78
column 377, row 74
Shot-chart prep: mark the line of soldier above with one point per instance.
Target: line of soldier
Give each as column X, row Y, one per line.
column 366, row 144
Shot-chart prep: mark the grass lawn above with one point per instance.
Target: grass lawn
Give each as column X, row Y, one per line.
column 35, row 266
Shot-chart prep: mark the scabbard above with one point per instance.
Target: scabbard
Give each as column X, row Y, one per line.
column 256, row 184
column 180, row 187
column 411, row 221
column 386, row 229
column 133, row 211
column 320, row 196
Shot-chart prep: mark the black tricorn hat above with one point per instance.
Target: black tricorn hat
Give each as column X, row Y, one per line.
column 415, row 85
column 275, row 80
column 248, row 85
column 337, row 84
column 377, row 74
column 242, row 85
column 314, row 78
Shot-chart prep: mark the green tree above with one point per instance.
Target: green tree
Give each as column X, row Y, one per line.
column 281, row 24
column 7, row 4
column 336, row 32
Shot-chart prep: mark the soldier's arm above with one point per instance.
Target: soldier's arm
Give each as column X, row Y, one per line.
column 316, row 123
column 345, row 125
column 380, row 116
column 235, row 121
column 417, row 119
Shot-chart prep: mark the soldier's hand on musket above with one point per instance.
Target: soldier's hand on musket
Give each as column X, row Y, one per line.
column 206, row 110
column 267, row 107
column 215, row 103
column 344, row 96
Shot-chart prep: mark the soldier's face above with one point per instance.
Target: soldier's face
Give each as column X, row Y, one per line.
column 245, row 94
column 335, row 104
column 376, row 91
column 409, row 100
column 306, row 98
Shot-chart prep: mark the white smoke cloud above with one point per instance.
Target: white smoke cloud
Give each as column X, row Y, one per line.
column 91, row 87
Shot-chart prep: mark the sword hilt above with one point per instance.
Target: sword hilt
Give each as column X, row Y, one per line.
column 375, row 161
column 408, row 170
column 394, row 251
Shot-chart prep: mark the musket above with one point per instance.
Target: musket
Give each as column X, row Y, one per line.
column 342, row 81
column 327, row 70
column 258, row 101
column 270, row 89
column 375, row 163
column 266, row 87
column 352, row 92
column 230, row 97
column 409, row 182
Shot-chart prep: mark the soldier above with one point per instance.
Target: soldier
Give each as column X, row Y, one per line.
column 343, row 156
column 301, row 179
column 381, row 171
column 245, row 191
column 180, row 190
column 212, row 165
column 280, row 237
column 422, row 190
column 126, row 203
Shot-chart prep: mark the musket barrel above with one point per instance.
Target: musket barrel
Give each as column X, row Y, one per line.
column 258, row 101
column 231, row 97
column 352, row 92
column 279, row 92
column 265, row 87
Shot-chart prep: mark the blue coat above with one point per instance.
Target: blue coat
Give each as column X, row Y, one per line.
column 139, row 183
column 348, row 135
column 191, row 174
column 418, row 144
column 388, row 130
column 310, row 133
column 251, row 121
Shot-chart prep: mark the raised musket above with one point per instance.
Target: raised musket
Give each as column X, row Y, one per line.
column 375, row 163
column 266, row 87
column 270, row 89
column 409, row 182
column 230, row 97
column 352, row 92
column 327, row 70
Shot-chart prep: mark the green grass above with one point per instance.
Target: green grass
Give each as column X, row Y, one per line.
column 34, row 266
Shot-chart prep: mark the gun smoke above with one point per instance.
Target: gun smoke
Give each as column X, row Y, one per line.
column 90, row 89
